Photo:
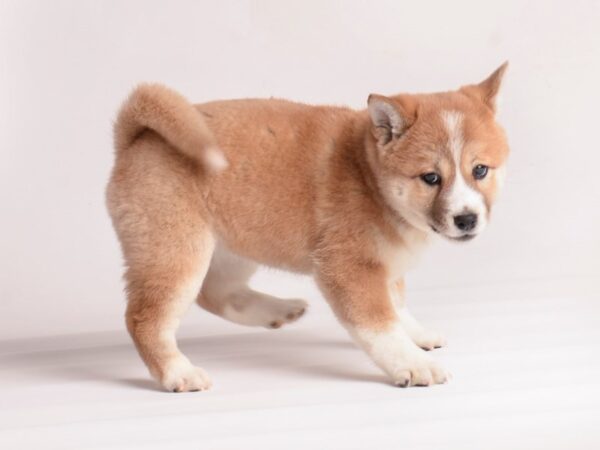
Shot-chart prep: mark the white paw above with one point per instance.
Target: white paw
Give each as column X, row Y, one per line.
column 395, row 352
column 422, row 371
column 428, row 340
column 181, row 376
column 256, row 309
column 424, row 338
column 285, row 311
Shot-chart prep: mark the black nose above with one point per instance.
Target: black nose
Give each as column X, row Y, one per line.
column 465, row 222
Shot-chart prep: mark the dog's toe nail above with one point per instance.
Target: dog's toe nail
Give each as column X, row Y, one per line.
column 403, row 384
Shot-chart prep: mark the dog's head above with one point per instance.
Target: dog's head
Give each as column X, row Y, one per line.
column 439, row 158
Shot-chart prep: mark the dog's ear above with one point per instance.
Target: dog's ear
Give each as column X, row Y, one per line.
column 391, row 117
column 487, row 90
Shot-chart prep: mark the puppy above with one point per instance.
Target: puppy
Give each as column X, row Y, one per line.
column 200, row 196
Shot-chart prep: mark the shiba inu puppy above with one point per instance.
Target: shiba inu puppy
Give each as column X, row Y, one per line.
column 200, row 196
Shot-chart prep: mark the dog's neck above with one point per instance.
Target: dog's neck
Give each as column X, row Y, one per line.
column 364, row 147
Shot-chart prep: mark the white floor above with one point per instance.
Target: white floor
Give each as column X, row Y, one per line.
column 525, row 360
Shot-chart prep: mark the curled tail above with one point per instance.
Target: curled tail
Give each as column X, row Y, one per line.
column 167, row 113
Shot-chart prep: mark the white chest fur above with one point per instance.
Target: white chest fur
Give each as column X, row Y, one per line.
column 400, row 257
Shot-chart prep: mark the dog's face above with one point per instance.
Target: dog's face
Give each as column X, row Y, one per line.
column 439, row 158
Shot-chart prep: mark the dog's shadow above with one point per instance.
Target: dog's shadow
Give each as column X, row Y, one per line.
column 287, row 353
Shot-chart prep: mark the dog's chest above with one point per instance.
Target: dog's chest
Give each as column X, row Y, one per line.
column 399, row 256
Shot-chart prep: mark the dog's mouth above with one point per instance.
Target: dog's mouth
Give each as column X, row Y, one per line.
column 463, row 238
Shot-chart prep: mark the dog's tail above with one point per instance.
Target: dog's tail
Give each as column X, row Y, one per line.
column 156, row 107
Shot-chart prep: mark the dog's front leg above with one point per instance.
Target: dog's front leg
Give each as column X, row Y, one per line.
column 425, row 338
column 358, row 293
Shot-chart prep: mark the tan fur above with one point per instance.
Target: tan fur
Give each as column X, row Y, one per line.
column 307, row 189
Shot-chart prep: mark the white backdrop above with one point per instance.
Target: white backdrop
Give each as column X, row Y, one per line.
column 66, row 65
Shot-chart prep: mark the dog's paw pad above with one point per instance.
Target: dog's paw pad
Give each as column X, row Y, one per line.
column 285, row 311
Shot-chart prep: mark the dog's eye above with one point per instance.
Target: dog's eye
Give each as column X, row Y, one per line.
column 480, row 171
column 431, row 178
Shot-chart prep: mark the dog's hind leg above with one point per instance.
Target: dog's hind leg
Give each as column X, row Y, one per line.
column 225, row 292
column 157, row 299
column 167, row 246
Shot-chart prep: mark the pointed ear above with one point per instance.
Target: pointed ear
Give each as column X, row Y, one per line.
column 388, row 116
column 487, row 90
